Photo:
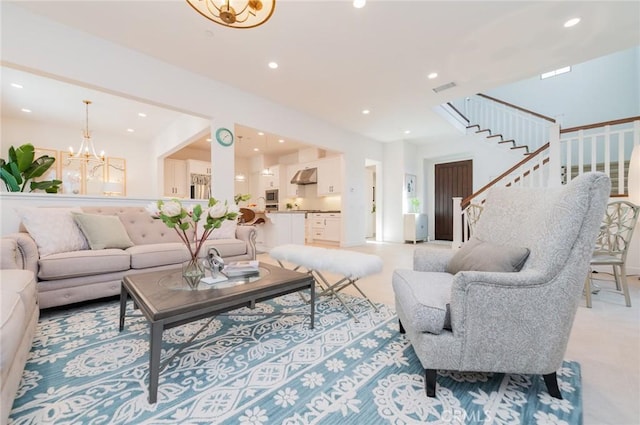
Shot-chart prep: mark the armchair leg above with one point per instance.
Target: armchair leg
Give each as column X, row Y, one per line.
column 430, row 382
column 587, row 289
column 402, row 331
column 552, row 385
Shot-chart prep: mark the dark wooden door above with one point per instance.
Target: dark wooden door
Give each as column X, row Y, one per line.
column 451, row 179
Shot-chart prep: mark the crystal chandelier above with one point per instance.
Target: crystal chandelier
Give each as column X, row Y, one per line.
column 235, row 13
column 87, row 151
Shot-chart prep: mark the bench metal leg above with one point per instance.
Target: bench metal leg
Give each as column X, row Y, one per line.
column 332, row 289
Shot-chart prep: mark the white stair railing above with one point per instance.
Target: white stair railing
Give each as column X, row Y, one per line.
column 512, row 122
column 599, row 147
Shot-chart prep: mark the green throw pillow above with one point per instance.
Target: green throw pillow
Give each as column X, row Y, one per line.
column 103, row 231
column 481, row 256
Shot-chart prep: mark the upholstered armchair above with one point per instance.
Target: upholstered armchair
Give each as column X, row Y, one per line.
column 505, row 302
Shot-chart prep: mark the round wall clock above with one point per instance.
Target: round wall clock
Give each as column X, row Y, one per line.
column 224, row 136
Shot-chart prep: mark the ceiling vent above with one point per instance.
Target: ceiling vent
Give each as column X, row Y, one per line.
column 444, row 87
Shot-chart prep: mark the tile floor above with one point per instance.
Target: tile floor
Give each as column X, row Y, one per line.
column 605, row 339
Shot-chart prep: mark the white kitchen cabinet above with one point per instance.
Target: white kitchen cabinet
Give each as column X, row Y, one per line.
column 326, row 227
column 272, row 181
column 294, row 190
column 198, row 167
column 330, row 176
column 175, row 178
column 415, row 227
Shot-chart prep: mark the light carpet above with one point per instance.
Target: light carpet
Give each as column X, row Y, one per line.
column 265, row 366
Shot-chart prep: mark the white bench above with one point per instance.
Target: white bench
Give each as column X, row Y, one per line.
column 350, row 265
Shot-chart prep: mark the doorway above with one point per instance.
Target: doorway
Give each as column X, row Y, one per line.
column 452, row 179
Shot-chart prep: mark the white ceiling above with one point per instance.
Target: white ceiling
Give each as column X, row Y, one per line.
column 336, row 60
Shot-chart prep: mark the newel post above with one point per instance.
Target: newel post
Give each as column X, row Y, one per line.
column 457, row 223
column 555, row 165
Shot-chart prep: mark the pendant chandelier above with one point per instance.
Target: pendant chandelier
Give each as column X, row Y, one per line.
column 235, row 13
column 87, row 151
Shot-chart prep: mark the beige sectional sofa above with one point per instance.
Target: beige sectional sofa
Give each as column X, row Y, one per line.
column 85, row 274
column 18, row 319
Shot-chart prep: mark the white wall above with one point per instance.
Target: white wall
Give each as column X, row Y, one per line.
column 393, row 182
column 39, row 45
column 602, row 89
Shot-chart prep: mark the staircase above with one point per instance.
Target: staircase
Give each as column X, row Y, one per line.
column 549, row 151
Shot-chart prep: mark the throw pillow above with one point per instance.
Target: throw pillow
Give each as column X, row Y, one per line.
column 482, row 256
column 227, row 230
column 103, row 231
column 53, row 229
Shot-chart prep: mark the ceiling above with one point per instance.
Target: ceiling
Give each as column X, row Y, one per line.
column 335, row 60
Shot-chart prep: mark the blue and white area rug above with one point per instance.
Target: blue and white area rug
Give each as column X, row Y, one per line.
column 255, row 367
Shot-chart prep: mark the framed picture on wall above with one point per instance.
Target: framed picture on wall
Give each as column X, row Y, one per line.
column 410, row 185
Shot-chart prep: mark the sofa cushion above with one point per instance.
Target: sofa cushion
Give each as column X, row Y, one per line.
column 227, row 247
column 481, row 256
column 83, row 263
column 103, row 231
column 227, row 230
column 53, row 229
column 17, row 304
column 158, row 254
column 425, row 299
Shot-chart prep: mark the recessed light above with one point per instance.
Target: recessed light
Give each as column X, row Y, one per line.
column 260, row 133
column 280, row 141
column 208, row 139
column 359, row 4
column 365, row 112
column 273, row 65
column 256, row 150
column 432, row 75
column 130, row 130
column 16, row 85
column 142, row 114
column 28, row 111
column 571, row 22
column 407, row 132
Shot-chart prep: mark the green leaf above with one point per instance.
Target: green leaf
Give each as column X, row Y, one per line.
column 24, row 156
column 184, row 226
column 15, row 172
column 12, row 154
column 39, row 167
column 49, row 186
column 197, row 212
column 9, row 180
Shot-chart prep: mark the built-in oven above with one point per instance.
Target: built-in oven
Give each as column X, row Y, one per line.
column 271, row 200
column 271, row 196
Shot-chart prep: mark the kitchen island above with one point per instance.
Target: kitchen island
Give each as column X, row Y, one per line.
column 281, row 227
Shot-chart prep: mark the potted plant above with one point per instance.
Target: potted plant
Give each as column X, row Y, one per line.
column 415, row 204
column 21, row 167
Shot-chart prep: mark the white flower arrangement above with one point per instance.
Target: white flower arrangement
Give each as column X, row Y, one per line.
column 176, row 216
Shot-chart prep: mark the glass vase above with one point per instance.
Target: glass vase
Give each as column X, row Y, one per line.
column 192, row 272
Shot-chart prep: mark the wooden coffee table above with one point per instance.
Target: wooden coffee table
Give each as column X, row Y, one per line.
column 166, row 301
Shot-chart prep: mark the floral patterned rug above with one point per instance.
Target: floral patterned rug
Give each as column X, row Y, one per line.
column 265, row 366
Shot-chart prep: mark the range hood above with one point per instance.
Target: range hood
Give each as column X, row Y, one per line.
column 306, row 176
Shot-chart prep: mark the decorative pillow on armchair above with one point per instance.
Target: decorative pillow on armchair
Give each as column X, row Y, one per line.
column 481, row 256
